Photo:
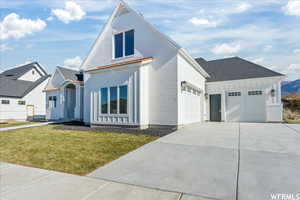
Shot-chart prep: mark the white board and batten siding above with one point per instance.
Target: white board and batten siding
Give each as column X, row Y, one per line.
column 260, row 107
column 35, row 98
column 135, row 77
column 159, row 103
column 190, row 104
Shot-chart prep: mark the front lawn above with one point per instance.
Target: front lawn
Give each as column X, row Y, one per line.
column 76, row 152
column 11, row 124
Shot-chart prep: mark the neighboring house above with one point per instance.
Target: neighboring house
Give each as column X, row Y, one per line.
column 135, row 75
column 21, row 95
column 64, row 95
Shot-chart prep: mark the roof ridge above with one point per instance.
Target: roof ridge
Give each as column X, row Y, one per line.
column 224, row 58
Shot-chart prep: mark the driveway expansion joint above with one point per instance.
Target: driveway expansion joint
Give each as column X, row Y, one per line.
column 295, row 130
column 238, row 164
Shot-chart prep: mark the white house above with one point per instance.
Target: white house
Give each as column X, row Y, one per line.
column 21, row 95
column 135, row 75
column 64, row 95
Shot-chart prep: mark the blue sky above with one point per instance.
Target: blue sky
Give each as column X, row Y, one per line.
column 58, row 32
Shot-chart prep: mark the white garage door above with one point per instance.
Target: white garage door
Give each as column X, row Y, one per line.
column 246, row 107
column 191, row 107
column 234, row 106
column 255, row 108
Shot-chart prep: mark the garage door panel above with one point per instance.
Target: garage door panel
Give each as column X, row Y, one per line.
column 248, row 106
column 255, row 108
column 191, row 107
column 234, row 108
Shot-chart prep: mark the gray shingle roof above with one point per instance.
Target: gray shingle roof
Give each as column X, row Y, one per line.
column 19, row 71
column 68, row 74
column 10, row 86
column 234, row 68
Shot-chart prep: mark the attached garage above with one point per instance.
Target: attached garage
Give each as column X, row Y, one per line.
column 241, row 91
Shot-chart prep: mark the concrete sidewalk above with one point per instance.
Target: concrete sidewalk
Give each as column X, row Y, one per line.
column 28, row 126
column 19, row 183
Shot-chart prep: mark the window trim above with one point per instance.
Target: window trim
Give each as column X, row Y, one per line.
column 118, row 102
column 123, row 50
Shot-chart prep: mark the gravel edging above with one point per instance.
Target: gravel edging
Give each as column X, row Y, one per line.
column 160, row 132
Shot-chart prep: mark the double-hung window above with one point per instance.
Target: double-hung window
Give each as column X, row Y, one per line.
column 114, row 100
column 52, row 102
column 124, row 44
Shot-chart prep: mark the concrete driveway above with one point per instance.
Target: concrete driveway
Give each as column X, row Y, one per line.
column 216, row 161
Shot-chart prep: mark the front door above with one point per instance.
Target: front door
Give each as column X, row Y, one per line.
column 30, row 112
column 215, row 107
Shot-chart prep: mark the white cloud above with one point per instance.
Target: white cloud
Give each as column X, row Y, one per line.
column 293, row 69
column 203, row 22
column 259, row 60
column 50, row 18
column 267, row 48
column 242, row 7
column 226, row 48
column 292, row 8
column 73, row 62
column 72, row 12
column 4, row 47
column 13, row 26
column 296, row 51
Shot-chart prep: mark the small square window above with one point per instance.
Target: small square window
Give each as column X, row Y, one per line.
column 5, row 102
column 256, row 92
column 234, row 94
column 21, row 102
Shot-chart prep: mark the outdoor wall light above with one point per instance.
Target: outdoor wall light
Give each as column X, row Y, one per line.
column 206, row 96
column 273, row 92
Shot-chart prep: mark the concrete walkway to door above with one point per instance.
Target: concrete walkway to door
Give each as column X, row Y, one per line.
column 216, row 161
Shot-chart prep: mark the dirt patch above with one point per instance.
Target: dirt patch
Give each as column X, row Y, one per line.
column 78, row 126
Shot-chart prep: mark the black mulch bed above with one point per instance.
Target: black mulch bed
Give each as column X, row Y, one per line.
column 79, row 126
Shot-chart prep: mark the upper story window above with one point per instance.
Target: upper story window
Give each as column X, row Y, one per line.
column 124, row 44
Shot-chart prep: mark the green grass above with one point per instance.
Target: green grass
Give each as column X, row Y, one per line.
column 15, row 124
column 292, row 121
column 76, row 152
